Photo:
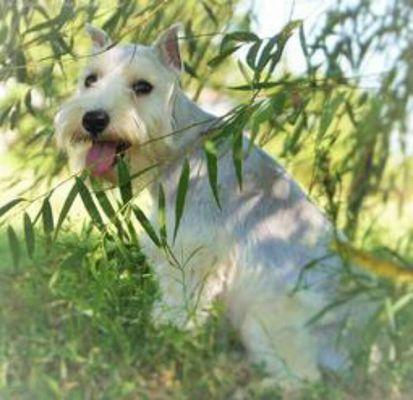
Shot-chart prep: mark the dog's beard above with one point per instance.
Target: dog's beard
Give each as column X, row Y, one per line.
column 126, row 133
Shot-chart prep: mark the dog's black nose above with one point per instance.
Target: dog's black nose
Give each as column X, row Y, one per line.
column 95, row 121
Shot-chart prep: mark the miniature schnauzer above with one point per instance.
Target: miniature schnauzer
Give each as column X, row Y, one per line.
column 249, row 253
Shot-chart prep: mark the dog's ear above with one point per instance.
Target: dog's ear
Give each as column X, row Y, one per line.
column 100, row 38
column 168, row 50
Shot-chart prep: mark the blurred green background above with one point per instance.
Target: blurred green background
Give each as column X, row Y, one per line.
column 326, row 87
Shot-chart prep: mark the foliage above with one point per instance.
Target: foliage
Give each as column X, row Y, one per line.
column 328, row 125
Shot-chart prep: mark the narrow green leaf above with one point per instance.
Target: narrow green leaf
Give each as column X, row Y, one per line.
column 212, row 166
column 146, row 225
column 29, row 234
column 237, row 155
column 28, row 102
column 181, row 195
column 244, row 71
column 328, row 113
column 108, row 209
column 143, row 171
column 14, row 246
column 214, row 62
column 162, row 216
column 10, row 205
column 125, row 186
column 303, row 42
column 252, row 54
column 132, row 231
column 239, row 36
column 290, row 27
column 267, row 53
column 66, row 207
column 89, row 203
column 104, row 201
column 257, row 85
column 210, row 13
column 47, row 217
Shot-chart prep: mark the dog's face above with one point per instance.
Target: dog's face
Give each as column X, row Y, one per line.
column 123, row 101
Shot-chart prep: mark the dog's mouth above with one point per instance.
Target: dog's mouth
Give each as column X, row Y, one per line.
column 102, row 156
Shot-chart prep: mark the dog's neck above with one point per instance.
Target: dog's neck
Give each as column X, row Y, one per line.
column 190, row 123
column 189, row 127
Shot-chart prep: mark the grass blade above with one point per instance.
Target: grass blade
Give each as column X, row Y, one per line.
column 29, row 234
column 181, row 195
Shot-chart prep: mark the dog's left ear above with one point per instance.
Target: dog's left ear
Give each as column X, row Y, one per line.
column 167, row 47
column 100, row 38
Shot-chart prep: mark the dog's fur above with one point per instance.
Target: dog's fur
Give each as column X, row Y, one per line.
column 250, row 253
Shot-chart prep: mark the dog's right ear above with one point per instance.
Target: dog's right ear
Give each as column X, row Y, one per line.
column 100, row 38
column 167, row 47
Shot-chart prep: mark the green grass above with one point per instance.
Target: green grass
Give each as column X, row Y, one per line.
column 75, row 323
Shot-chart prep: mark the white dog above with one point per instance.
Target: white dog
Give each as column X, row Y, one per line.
column 250, row 253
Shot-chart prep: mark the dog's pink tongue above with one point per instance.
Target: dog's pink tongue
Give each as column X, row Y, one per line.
column 101, row 157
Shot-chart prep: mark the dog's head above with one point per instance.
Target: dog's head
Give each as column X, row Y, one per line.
column 125, row 98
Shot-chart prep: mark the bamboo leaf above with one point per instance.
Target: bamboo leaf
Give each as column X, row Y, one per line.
column 107, row 207
column 212, row 166
column 181, row 195
column 328, row 113
column 162, row 216
column 89, row 203
column 66, row 207
column 47, row 217
column 237, row 155
column 10, row 205
column 214, row 62
column 146, row 225
column 239, row 36
column 303, row 42
column 210, row 13
column 28, row 102
column 257, row 85
column 252, row 54
column 29, row 234
column 104, row 201
column 14, row 246
column 125, row 186
column 266, row 53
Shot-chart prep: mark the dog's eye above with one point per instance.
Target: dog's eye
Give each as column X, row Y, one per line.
column 142, row 87
column 90, row 80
